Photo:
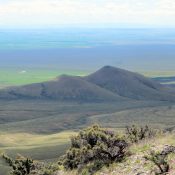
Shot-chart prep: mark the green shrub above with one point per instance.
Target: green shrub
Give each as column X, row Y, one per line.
column 94, row 147
column 20, row 166
column 26, row 166
column 135, row 133
column 160, row 159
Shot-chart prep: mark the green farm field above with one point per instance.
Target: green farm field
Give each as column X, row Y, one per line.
column 158, row 73
column 22, row 76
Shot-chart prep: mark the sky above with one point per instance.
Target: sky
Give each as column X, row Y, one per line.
column 53, row 13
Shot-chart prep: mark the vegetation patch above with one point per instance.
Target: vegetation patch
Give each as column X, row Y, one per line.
column 137, row 133
column 99, row 151
column 93, row 148
column 160, row 159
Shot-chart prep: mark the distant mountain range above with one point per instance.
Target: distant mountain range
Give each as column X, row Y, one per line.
column 107, row 84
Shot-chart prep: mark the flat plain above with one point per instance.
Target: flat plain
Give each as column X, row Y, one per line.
column 25, row 75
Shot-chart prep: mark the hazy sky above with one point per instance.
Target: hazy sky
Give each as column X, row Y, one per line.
column 35, row 13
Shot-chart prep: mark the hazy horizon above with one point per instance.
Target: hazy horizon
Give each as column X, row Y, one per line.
column 135, row 35
column 89, row 48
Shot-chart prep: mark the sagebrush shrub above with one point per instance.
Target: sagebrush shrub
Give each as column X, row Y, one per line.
column 160, row 159
column 20, row 166
column 136, row 133
column 26, row 166
column 94, row 145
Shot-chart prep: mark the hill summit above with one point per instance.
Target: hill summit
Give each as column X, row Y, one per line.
column 107, row 84
column 129, row 84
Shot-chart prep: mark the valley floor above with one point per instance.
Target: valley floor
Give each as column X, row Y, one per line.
column 41, row 129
